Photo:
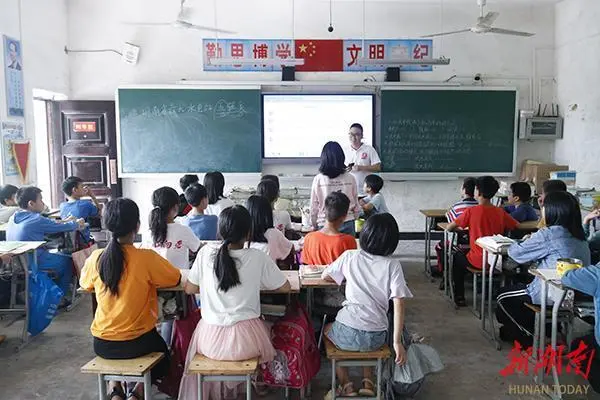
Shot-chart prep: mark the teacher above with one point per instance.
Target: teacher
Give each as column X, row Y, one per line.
column 364, row 159
column 333, row 177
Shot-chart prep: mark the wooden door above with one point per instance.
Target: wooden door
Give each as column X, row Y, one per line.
column 83, row 143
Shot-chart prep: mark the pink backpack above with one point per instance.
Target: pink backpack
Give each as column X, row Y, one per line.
column 298, row 359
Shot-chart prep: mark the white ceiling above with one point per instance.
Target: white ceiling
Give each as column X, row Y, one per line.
column 474, row 2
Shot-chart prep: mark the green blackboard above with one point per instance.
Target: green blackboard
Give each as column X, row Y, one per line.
column 189, row 130
column 448, row 131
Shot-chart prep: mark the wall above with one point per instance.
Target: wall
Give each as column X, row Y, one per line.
column 577, row 66
column 168, row 55
column 42, row 28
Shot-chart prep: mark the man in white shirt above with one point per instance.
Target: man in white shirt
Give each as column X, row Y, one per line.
column 364, row 159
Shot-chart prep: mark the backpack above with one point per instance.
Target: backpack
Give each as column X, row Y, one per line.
column 404, row 382
column 297, row 358
column 183, row 330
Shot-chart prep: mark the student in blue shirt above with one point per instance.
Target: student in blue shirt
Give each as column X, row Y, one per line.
column 373, row 203
column 518, row 200
column 76, row 207
column 204, row 226
column 562, row 237
column 28, row 225
column 587, row 280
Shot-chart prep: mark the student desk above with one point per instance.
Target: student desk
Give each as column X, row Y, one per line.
column 496, row 252
column 486, row 290
column 447, row 246
column 430, row 217
column 310, row 284
column 22, row 253
column 549, row 278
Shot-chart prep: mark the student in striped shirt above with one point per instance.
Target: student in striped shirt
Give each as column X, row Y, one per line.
column 467, row 200
column 467, row 194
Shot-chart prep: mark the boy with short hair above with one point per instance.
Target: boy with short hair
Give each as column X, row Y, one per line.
column 482, row 220
column 467, row 196
column 184, row 182
column 281, row 218
column 549, row 186
column 325, row 246
column 518, row 200
column 204, row 226
column 75, row 207
column 8, row 202
column 373, row 203
column 28, row 225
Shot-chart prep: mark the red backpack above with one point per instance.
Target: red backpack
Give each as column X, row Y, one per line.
column 183, row 330
column 298, row 359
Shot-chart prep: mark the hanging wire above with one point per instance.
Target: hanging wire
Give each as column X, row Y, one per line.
column 293, row 19
column 364, row 24
column 330, row 12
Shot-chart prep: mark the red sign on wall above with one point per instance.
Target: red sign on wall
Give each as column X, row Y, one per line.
column 84, row 126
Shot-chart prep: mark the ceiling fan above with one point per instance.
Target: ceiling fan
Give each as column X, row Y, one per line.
column 484, row 25
column 181, row 22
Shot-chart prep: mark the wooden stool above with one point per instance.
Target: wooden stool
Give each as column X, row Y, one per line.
column 220, row 371
column 341, row 358
column 132, row 370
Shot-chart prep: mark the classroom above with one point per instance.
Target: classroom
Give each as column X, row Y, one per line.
column 294, row 199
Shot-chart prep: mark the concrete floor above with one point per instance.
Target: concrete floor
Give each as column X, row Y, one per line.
column 48, row 367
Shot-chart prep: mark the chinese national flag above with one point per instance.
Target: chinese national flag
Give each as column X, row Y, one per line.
column 320, row 55
column 21, row 154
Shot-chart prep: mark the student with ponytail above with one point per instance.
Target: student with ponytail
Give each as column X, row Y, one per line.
column 125, row 280
column 172, row 241
column 231, row 278
column 264, row 236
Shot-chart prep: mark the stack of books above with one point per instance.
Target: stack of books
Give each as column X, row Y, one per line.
column 495, row 242
column 312, row 271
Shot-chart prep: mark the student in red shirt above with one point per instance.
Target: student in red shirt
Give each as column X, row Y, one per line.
column 325, row 246
column 482, row 220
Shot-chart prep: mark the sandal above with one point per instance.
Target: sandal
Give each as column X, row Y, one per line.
column 346, row 391
column 116, row 392
column 365, row 391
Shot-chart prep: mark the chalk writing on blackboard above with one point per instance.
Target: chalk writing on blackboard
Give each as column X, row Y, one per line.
column 219, row 110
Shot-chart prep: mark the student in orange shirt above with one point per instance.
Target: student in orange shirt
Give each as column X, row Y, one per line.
column 325, row 246
column 125, row 280
column 482, row 220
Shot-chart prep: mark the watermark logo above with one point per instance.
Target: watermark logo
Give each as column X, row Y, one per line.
column 531, row 389
column 579, row 361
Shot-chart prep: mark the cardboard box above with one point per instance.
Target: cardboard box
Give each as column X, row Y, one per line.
column 537, row 173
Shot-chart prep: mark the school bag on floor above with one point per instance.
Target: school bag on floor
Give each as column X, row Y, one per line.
column 183, row 330
column 297, row 360
column 44, row 297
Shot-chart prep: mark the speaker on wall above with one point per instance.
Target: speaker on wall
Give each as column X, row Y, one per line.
column 288, row 73
column 392, row 74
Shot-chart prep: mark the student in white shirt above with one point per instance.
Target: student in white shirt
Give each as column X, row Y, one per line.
column 172, row 241
column 374, row 203
column 214, row 182
column 231, row 278
column 264, row 236
column 281, row 218
column 364, row 159
column 8, row 202
column 333, row 177
column 372, row 278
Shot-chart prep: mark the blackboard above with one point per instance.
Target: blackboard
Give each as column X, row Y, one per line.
column 163, row 130
column 448, row 131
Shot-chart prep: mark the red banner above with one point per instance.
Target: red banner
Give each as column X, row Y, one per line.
column 320, row 55
column 21, row 154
